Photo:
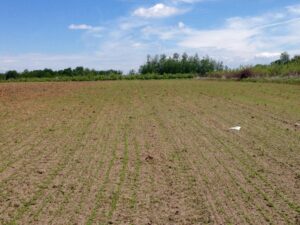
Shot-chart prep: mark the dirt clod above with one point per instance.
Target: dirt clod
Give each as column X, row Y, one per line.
column 40, row 171
column 297, row 220
column 149, row 158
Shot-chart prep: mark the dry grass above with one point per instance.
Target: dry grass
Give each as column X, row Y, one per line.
column 149, row 152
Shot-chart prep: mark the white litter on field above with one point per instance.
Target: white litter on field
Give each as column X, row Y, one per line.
column 238, row 128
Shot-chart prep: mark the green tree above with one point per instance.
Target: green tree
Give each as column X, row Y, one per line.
column 79, row 71
column 284, row 58
column 12, row 74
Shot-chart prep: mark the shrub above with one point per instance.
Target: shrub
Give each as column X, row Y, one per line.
column 244, row 74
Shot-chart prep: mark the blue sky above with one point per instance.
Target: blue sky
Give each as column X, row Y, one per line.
column 118, row 34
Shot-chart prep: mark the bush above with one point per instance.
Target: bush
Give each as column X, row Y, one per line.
column 238, row 74
column 244, row 74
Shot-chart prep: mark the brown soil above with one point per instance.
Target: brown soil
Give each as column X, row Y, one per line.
column 149, row 152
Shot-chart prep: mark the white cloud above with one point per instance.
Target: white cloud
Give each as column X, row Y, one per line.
column 33, row 61
column 186, row 1
column 229, row 39
column 294, row 9
column 181, row 25
column 102, row 60
column 163, row 33
column 80, row 27
column 159, row 10
column 137, row 45
column 85, row 27
column 268, row 55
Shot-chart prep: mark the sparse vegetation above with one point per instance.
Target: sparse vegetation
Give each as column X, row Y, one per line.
column 119, row 152
column 282, row 70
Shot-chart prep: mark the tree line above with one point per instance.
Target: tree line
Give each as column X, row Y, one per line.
column 166, row 67
column 69, row 72
column 153, row 68
column 180, row 64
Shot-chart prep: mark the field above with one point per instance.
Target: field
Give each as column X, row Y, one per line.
column 149, row 153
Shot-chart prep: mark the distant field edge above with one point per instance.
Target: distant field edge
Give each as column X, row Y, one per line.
column 283, row 80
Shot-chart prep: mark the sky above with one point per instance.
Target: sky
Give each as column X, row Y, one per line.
column 119, row 34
